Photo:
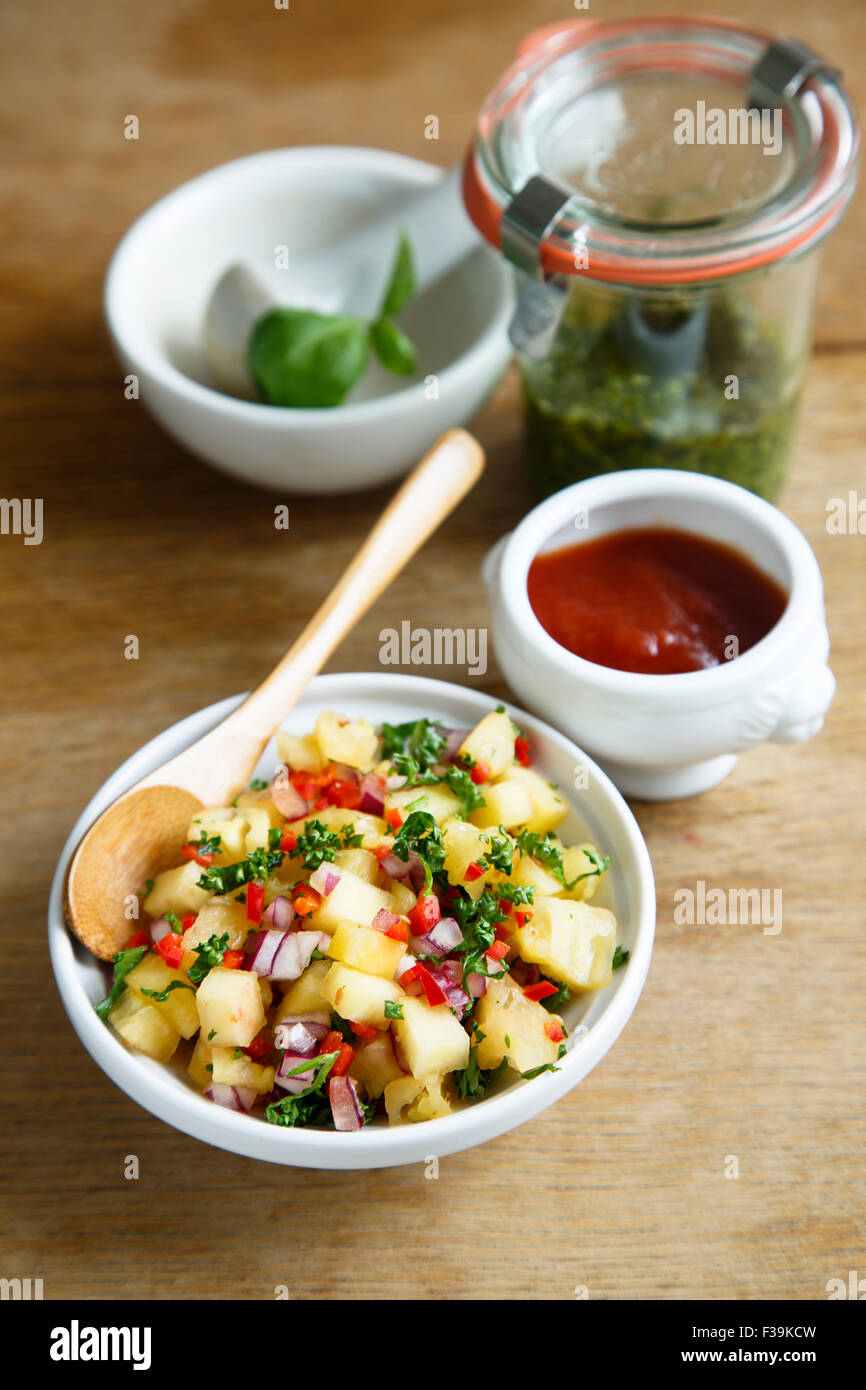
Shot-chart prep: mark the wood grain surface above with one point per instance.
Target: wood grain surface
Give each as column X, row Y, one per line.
column 742, row 1044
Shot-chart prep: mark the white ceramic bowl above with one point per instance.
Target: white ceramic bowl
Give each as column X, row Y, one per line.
column 167, row 1092
column 164, row 269
column 664, row 737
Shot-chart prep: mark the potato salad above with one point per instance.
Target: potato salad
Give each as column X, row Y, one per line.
column 386, row 926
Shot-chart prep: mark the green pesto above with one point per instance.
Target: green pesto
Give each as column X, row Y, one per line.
column 608, row 398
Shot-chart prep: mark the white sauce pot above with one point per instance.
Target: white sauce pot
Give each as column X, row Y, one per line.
column 662, row 737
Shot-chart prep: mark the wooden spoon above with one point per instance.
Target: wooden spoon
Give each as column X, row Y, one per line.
column 143, row 831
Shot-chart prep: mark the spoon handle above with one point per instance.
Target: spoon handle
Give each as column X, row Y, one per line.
column 221, row 762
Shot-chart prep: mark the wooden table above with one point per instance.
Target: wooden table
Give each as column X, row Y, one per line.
column 742, row 1044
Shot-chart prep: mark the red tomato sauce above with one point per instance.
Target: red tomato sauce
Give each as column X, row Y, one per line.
column 657, row 601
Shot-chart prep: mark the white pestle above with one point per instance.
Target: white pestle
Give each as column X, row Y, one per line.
column 347, row 276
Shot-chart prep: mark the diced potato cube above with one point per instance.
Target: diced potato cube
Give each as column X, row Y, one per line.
column 548, row 807
column 402, row 897
column 374, row 1066
column 399, row 1095
column 301, row 754
column 350, row 741
column 513, row 1027
column 409, row 1100
column 360, row 997
column 218, row 916
column 507, row 803
column 528, row 873
column 266, row 990
column 437, row 1098
column 570, row 941
column 201, row 1059
column 430, row 1039
column 144, row 1027
column 335, row 817
column 305, row 995
column 230, row 1007
column 491, row 742
column 575, row 865
column 438, row 801
column 241, row 1071
column 465, row 845
column 226, row 821
column 178, row 1007
column 351, row 900
column 261, row 820
column 359, row 862
column 176, row 890
column 366, row 949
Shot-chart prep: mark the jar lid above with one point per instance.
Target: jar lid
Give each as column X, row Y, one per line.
column 660, row 151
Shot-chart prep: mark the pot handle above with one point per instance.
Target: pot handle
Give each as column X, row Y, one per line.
column 788, row 711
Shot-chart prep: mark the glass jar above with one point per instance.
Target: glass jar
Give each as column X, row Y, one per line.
column 663, row 187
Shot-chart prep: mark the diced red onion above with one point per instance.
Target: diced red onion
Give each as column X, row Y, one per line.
column 261, row 948
column 159, row 928
column 417, row 872
column 325, row 879
column 319, row 1023
column 453, row 740
column 280, row 914
column 440, row 939
column 476, row 984
column 454, row 993
column 384, row 920
column 287, row 799
column 293, row 955
column 294, row 1084
column 346, row 1106
column 299, row 1038
column 395, row 867
column 277, row 955
column 373, row 791
column 405, row 964
column 241, row 1098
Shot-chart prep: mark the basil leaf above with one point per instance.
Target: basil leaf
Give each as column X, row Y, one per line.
column 300, row 358
column 401, row 285
column 393, row 349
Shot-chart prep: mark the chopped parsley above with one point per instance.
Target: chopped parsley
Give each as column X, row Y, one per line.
column 619, row 958
column 516, row 893
column 207, row 844
column 175, row 923
column 208, row 954
column 500, row 855
column 124, row 961
column 419, row 832
column 478, row 921
column 419, row 739
column 536, row 1071
column 309, row 1107
column 351, row 837
column 472, row 1081
column 259, row 784
column 317, row 845
column 393, row 1009
column 258, row 864
column 146, row 891
column 545, row 849
column 460, row 782
column 160, row 995
column 562, row 995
